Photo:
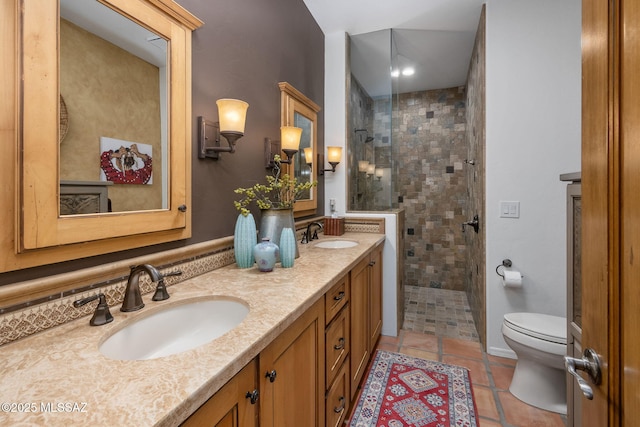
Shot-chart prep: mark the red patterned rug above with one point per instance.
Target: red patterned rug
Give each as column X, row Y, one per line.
column 406, row 391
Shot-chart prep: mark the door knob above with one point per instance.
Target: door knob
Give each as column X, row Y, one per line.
column 590, row 363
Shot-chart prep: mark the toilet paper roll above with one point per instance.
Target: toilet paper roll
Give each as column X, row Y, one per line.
column 512, row 279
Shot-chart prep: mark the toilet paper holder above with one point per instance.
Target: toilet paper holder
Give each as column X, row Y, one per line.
column 506, row 263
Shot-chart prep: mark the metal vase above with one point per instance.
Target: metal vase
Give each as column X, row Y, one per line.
column 273, row 221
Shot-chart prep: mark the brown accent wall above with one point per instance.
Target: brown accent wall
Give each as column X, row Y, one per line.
column 243, row 50
column 475, row 283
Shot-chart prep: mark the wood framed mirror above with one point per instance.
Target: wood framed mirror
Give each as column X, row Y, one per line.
column 299, row 111
column 40, row 232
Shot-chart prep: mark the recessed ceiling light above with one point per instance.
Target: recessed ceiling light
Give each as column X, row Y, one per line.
column 408, row 71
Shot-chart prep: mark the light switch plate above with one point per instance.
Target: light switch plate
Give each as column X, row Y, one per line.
column 509, row 209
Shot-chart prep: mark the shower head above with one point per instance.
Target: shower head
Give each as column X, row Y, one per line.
column 368, row 138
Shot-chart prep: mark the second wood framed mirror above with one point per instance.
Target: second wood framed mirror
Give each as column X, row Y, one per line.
column 299, row 111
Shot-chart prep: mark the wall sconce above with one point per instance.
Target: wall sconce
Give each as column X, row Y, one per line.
column 289, row 143
column 308, row 156
column 232, row 114
column 334, row 155
column 363, row 165
column 379, row 173
column 371, row 169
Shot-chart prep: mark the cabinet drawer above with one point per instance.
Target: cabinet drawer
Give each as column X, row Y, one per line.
column 337, row 403
column 337, row 344
column 335, row 299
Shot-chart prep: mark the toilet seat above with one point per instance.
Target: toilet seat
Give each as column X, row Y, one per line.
column 542, row 326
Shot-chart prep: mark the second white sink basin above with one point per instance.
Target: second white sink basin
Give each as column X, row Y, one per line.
column 178, row 327
column 336, row 244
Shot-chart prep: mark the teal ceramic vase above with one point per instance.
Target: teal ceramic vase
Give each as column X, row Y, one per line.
column 265, row 253
column 287, row 248
column 244, row 240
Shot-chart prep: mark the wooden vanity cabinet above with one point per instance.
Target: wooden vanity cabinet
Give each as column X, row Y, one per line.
column 337, row 347
column 375, row 297
column 309, row 375
column 232, row 405
column 359, row 323
column 366, row 313
column 291, row 374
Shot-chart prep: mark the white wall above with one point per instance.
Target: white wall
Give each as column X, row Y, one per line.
column 335, row 116
column 532, row 136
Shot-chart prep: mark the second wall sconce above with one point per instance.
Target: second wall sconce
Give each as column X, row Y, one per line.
column 334, row 155
column 232, row 114
column 289, row 143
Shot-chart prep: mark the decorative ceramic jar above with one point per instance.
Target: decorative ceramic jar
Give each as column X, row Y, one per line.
column 244, row 240
column 266, row 253
column 287, row 247
column 273, row 221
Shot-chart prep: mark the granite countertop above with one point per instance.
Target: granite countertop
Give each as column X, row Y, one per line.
column 59, row 378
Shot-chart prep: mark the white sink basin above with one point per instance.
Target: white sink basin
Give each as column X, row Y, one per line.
column 178, row 327
column 336, row 244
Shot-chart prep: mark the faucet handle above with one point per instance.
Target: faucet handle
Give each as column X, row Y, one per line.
column 102, row 315
column 161, row 293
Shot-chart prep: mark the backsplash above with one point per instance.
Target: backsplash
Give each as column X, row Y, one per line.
column 28, row 318
column 25, row 321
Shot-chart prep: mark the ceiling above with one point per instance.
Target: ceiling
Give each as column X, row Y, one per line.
column 435, row 36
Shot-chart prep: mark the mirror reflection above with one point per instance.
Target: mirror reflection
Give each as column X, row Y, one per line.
column 300, row 111
column 303, row 166
column 113, row 104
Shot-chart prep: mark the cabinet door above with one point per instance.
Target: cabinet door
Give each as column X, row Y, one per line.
column 232, row 405
column 375, row 297
column 359, row 323
column 292, row 374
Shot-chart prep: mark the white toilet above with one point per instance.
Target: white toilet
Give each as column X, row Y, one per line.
column 540, row 342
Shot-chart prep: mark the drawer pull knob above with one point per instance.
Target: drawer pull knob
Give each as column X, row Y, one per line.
column 340, row 344
column 271, row 375
column 340, row 408
column 253, row 396
column 339, row 296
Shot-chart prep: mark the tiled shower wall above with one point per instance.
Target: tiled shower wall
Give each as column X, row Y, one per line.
column 476, row 255
column 429, row 149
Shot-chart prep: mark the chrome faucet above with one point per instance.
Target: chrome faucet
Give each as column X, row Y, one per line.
column 307, row 236
column 132, row 296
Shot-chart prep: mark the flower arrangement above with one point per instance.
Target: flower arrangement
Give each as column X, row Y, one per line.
column 281, row 191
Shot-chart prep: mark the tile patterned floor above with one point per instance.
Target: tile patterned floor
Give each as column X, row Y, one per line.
column 430, row 333
column 438, row 312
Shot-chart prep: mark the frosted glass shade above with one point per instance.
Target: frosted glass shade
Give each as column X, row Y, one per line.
column 308, row 155
column 362, row 165
column 290, row 137
column 334, row 154
column 232, row 114
column 371, row 169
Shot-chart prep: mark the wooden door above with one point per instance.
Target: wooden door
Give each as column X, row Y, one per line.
column 375, row 298
column 232, row 405
column 611, row 207
column 359, row 323
column 292, row 374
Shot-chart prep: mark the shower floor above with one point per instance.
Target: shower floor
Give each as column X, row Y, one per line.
column 439, row 312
